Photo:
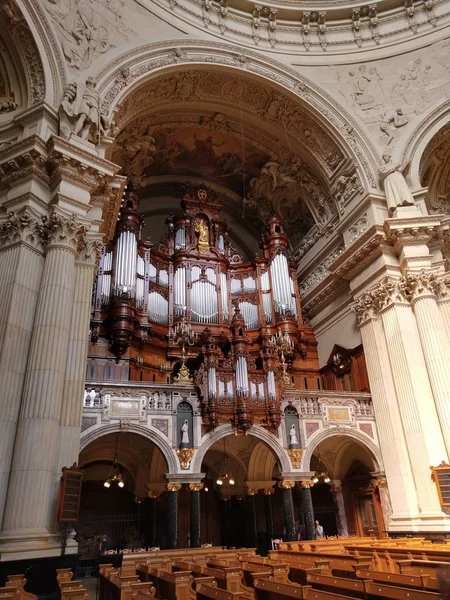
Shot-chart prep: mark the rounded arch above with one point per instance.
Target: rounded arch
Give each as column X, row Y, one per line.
column 226, row 430
column 121, row 77
column 262, row 462
column 352, row 434
column 432, row 122
column 157, row 439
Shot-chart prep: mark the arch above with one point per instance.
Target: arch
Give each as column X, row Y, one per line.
column 122, row 76
column 225, row 430
column 150, row 434
column 433, row 120
column 353, row 434
column 261, row 456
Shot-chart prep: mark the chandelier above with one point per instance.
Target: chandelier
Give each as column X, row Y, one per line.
column 115, row 474
column 321, row 476
column 225, row 476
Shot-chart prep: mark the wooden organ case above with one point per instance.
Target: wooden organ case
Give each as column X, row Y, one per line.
column 191, row 311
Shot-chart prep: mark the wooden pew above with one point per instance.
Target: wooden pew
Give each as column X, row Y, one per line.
column 265, row 589
column 209, row 592
column 169, row 585
column 393, row 592
column 424, row 582
column 14, row 589
column 338, row 585
column 421, row 567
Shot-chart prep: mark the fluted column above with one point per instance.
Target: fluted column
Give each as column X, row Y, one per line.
column 21, row 265
column 341, row 517
column 444, row 302
column 393, row 445
column 308, row 510
column 172, row 514
column 72, row 402
column 417, row 409
column 30, row 504
column 422, row 288
column 288, row 505
column 194, row 509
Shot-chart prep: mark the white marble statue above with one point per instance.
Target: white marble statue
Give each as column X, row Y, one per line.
column 293, row 436
column 88, row 113
column 185, row 432
column 395, row 187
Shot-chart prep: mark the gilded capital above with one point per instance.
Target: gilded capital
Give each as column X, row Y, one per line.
column 268, row 491
column 286, row 485
column 251, row 491
column 173, row 487
column 152, row 495
column 306, row 484
column 195, row 487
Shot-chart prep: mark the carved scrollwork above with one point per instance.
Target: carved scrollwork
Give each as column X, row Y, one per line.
column 419, row 285
column 23, row 226
column 65, row 231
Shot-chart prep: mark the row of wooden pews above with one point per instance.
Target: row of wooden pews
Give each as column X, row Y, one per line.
column 362, row 568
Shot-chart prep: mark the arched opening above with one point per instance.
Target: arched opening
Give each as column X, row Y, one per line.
column 434, row 171
column 121, row 470
column 241, row 502
column 346, row 497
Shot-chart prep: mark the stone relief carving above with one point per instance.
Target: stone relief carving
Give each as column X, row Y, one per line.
column 395, row 186
column 358, row 228
column 386, row 98
column 347, row 186
column 320, row 273
column 88, row 29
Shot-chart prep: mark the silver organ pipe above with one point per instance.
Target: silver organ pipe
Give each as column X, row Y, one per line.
column 203, row 296
column 241, row 376
column 266, row 296
column 179, row 290
column 249, row 285
column 271, row 390
column 279, row 270
column 294, row 303
column 125, row 267
column 221, row 244
column 152, row 272
column 261, row 391
column 229, row 390
column 253, row 391
column 140, row 268
column 224, row 295
column 180, row 238
column 235, row 286
column 212, row 385
column 221, row 390
column 158, row 308
column 164, row 277
column 106, row 268
column 250, row 313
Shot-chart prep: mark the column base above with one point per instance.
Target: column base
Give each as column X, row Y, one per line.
column 424, row 524
column 36, row 543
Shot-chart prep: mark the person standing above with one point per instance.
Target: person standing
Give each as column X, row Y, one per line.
column 318, row 529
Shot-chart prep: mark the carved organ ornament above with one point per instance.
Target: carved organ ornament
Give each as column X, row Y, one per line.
column 243, row 319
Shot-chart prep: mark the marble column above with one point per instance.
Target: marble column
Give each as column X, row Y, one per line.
column 269, row 513
column 288, row 505
column 253, row 520
column 341, row 517
column 387, row 414
column 72, row 401
column 32, row 490
column 194, row 509
column 307, row 507
column 152, row 500
column 417, row 408
column 21, row 266
column 385, row 499
column 172, row 514
column 224, row 519
column 422, row 288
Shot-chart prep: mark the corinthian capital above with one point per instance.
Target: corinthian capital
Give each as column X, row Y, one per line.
column 23, row 226
column 419, row 285
column 89, row 251
column 385, row 293
column 65, row 231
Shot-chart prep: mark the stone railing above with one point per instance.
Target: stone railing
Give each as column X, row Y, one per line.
column 114, row 398
column 315, row 403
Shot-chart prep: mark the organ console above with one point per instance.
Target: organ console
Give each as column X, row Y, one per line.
column 247, row 341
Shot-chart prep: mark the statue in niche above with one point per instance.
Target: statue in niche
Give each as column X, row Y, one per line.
column 293, row 440
column 185, row 433
column 395, row 187
column 203, row 236
column 88, row 113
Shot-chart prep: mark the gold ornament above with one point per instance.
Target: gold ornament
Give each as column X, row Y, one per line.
column 307, row 484
column 296, row 455
column 195, row 487
column 203, row 236
column 185, row 456
column 286, row 485
column 184, row 376
column 173, row 487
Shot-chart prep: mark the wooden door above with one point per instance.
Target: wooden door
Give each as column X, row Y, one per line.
column 368, row 518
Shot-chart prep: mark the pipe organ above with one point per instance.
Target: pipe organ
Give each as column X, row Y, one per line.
column 247, row 339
